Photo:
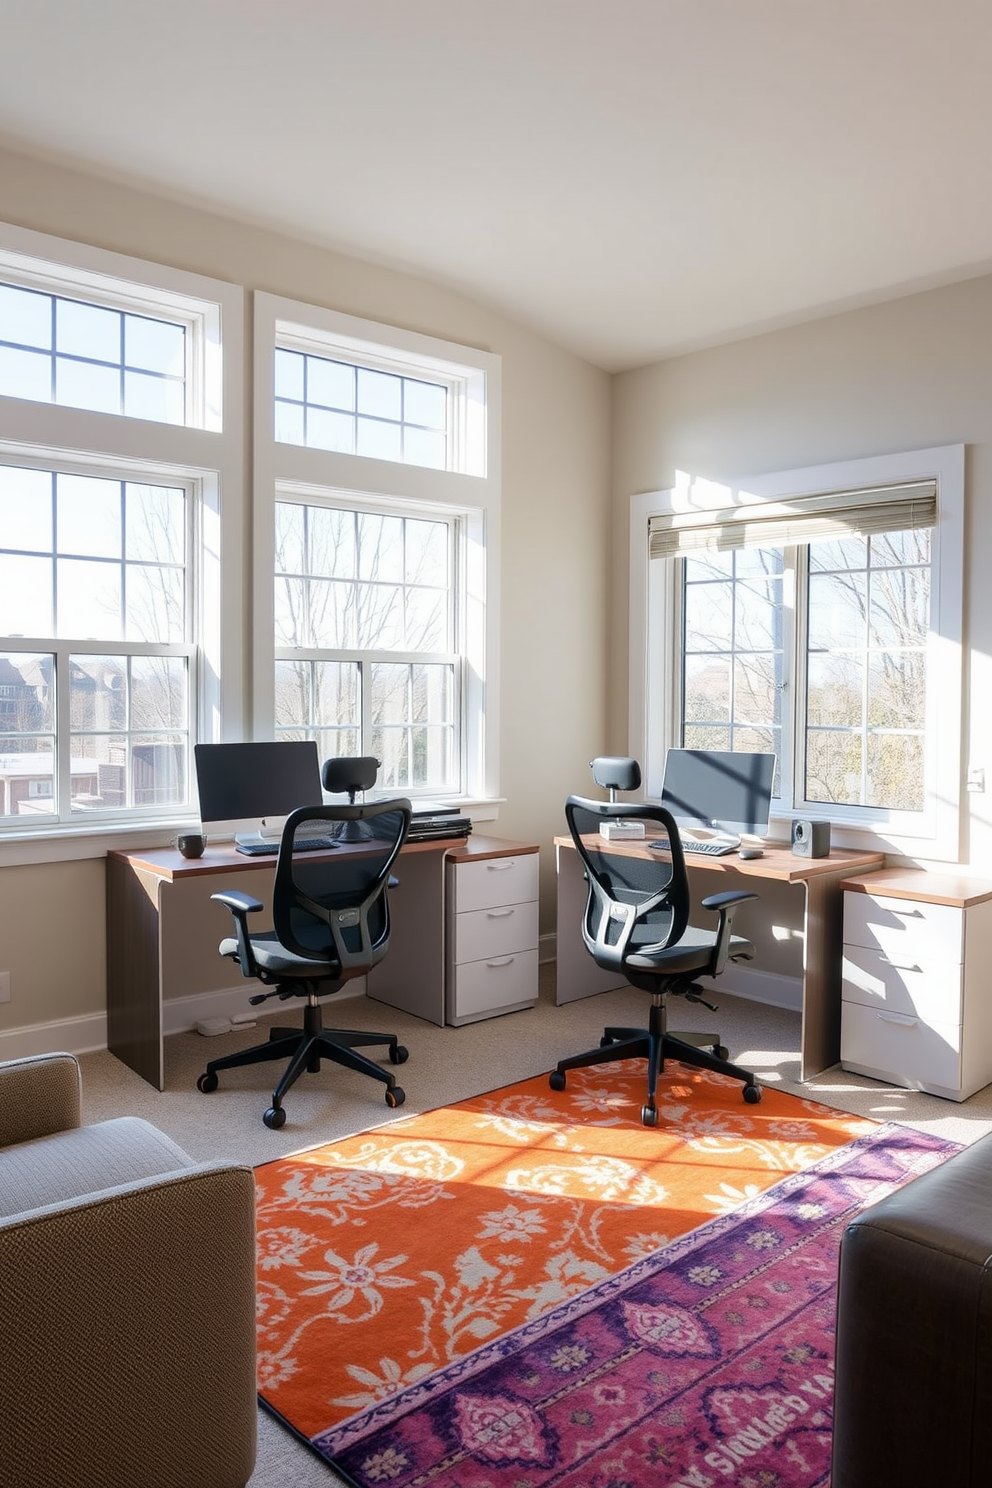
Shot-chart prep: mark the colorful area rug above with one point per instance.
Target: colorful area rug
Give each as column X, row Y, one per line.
column 710, row 1362
column 392, row 1256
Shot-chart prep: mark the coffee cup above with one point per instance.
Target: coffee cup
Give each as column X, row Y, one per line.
column 191, row 844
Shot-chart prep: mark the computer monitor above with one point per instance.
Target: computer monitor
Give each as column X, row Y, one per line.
column 727, row 791
column 248, row 790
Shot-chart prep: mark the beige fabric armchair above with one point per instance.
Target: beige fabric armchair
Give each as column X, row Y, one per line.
column 127, row 1298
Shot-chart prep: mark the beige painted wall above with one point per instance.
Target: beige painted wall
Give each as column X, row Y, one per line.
column 556, row 528
column 909, row 374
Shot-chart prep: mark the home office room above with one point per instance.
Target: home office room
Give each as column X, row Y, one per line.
column 495, row 844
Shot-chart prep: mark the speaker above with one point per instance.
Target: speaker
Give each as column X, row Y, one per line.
column 811, row 839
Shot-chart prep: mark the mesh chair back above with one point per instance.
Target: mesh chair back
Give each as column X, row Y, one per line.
column 638, row 900
column 335, row 907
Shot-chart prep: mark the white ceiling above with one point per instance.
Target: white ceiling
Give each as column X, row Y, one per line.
column 631, row 178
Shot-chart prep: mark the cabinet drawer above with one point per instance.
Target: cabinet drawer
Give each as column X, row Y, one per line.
column 933, row 994
column 901, row 1050
column 495, row 985
column 495, row 881
column 495, row 931
column 908, row 931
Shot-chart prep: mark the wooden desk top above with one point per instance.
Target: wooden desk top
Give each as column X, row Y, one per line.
column 169, row 864
column 777, row 861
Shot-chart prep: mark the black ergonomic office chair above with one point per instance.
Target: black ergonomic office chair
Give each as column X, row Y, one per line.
column 636, row 922
column 330, row 914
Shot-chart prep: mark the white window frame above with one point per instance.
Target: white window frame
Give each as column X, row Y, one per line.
column 655, row 669
column 470, row 494
column 205, row 454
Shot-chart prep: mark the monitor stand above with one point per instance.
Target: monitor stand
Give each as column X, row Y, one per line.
column 265, row 834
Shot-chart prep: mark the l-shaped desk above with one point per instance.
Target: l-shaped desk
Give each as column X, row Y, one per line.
column 823, row 910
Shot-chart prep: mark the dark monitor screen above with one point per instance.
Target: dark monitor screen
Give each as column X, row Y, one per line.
column 730, row 791
column 246, row 784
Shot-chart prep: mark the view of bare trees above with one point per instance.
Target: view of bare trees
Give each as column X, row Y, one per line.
column 868, row 613
column 102, row 558
column 376, row 587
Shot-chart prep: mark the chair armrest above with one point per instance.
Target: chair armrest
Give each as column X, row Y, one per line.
column 726, row 906
column 729, row 896
column 39, row 1096
column 140, row 1301
column 241, row 906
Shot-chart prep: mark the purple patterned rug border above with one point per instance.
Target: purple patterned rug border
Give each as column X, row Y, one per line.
column 925, row 1148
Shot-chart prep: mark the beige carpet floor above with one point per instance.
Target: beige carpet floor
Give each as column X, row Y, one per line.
column 450, row 1064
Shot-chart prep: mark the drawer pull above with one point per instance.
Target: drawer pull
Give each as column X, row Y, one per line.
column 504, row 961
column 498, row 914
column 900, row 1022
column 501, row 864
column 895, row 965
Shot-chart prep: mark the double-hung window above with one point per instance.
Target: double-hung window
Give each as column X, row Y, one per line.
column 365, row 620
column 377, row 525
column 816, row 615
column 116, row 442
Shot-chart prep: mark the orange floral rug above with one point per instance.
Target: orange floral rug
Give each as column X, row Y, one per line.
column 388, row 1255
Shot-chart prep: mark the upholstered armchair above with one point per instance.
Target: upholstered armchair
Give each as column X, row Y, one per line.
column 127, row 1298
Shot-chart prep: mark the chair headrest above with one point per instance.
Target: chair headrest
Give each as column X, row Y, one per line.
column 349, row 773
column 616, row 772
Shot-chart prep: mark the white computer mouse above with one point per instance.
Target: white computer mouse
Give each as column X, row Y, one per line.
column 750, row 852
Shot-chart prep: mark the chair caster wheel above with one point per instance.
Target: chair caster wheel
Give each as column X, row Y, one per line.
column 395, row 1097
column 649, row 1116
column 399, row 1055
column 721, row 1051
column 207, row 1082
column 556, row 1080
column 752, row 1094
column 274, row 1118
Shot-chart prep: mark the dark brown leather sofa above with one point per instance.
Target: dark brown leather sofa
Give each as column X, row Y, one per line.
column 913, row 1395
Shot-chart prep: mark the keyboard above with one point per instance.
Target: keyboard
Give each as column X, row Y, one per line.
column 270, row 849
column 709, row 847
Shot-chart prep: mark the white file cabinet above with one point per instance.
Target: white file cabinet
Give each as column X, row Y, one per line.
column 916, row 1004
column 491, row 939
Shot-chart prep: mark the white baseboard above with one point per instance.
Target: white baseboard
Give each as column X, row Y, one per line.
column 758, row 986
column 181, row 1014
column 62, row 1035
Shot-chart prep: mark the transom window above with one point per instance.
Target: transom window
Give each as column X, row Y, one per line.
column 81, row 355
column 355, row 410
column 365, row 623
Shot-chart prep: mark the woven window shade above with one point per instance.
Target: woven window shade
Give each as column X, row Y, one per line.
column 801, row 519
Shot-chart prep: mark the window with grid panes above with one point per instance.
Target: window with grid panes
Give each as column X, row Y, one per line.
column 817, row 614
column 109, row 599
column 353, row 410
column 97, row 659
column 381, row 450
column 365, row 656
column 860, row 733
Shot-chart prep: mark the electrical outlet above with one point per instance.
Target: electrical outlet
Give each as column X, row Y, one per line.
column 4, row 986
